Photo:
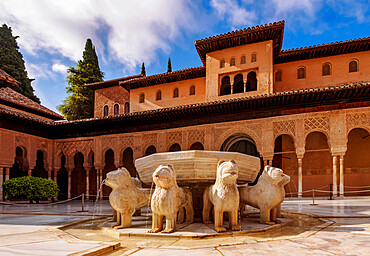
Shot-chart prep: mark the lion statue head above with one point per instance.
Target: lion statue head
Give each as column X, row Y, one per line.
column 227, row 172
column 273, row 175
column 164, row 176
column 119, row 178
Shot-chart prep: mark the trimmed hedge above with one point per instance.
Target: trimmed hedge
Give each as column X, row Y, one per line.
column 32, row 188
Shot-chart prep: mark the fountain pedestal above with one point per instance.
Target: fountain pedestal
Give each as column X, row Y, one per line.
column 197, row 169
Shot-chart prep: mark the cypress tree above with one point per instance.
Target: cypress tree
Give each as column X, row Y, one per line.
column 143, row 69
column 169, row 66
column 80, row 104
column 11, row 61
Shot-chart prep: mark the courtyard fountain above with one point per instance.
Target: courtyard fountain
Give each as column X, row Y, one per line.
column 195, row 195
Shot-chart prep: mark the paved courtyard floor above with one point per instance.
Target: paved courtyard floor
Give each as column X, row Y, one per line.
column 343, row 229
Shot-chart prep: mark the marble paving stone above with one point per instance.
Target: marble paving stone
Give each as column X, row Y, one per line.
column 177, row 252
column 282, row 247
column 58, row 247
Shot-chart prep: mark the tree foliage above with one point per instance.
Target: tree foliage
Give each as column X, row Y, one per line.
column 143, row 72
column 80, row 104
column 11, row 61
column 32, row 188
column 169, row 66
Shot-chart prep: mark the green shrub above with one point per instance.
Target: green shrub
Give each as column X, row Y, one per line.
column 32, row 188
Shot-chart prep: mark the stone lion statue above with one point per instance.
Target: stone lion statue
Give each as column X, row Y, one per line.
column 267, row 194
column 125, row 197
column 224, row 196
column 168, row 199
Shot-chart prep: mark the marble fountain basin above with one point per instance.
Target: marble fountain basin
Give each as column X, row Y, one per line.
column 197, row 166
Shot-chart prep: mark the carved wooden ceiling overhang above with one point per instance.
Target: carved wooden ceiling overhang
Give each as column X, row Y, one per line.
column 245, row 36
column 110, row 83
column 179, row 75
column 324, row 50
column 244, row 108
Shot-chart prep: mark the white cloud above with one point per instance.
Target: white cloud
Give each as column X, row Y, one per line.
column 235, row 14
column 135, row 30
column 38, row 71
column 59, row 68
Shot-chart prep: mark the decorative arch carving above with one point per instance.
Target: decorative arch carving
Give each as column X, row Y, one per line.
column 195, row 136
column 287, row 127
column 358, row 120
column 174, row 137
column 249, row 130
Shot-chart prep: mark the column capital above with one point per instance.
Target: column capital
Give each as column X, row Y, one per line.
column 300, row 152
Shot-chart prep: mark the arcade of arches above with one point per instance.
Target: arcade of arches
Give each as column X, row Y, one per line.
column 315, row 149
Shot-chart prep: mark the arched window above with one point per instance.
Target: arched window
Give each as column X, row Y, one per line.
column 192, row 90
column 127, row 108
column 326, row 69
column 254, row 57
column 158, row 95
column 150, row 150
column 232, row 62
column 353, row 66
column 197, row 146
column 242, row 60
column 141, row 98
column 175, row 147
column 301, row 73
column 225, row 86
column 222, row 63
column 251, row 81
column 176, row 92
column 105, row 110
column 116, row 109
column 278, row 76
column 238, row 84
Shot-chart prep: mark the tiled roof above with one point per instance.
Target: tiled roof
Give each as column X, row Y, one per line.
column 245, row 36
column 244, row 108
column 169, row 77
column 324, row 50
column 109, row 83
column 14, row 99
column 6, row 79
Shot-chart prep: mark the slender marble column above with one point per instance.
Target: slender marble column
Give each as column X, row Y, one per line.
column 101, row 181
column 56, row 175
column 29, row 173
column 87, row 184
column 7, row 172
column 69, row 183
column 49, row 174
column 232, row 88
column 245, row 86
column 335, row 191
column 1, row 182
column 300, row 179
column 97, row 182
column 341, row 176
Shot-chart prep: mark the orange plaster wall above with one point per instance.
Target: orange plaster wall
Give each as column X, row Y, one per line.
column 167, row 95
column 314, row 76
column 263, row 67
column 110, row 96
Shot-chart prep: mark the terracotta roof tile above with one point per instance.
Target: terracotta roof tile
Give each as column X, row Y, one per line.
column 169, row 77
column 6, row 79
column 324, row 50
column 273, row 31
column 14, row 99
column 109, row 83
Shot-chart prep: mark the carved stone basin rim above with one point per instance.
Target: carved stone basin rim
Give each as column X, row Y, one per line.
column 197, row 166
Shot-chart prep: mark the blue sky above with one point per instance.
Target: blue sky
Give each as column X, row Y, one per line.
column 129, row 32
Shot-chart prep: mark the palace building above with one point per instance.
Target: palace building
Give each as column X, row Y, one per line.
column 304, row 110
